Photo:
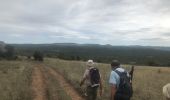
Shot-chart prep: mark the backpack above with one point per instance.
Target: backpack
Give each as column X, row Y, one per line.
column 94, row 77
column 125, row 90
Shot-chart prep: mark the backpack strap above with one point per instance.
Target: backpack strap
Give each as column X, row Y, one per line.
column 121, row 75
column 118, row 72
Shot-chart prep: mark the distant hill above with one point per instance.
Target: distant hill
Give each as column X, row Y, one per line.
column 162, row 48
column 145, row 55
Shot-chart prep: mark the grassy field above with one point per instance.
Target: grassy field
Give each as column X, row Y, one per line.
column 147, row 83
column 54, row 90
column 16, row 82
column 15, row 79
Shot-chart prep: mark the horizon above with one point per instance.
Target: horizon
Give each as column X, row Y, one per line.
column 83, row 44
column 114, row 22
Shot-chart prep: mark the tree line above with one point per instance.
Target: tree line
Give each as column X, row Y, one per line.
column 100, row 53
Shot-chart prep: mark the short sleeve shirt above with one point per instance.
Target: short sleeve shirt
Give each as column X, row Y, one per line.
column 115, row 78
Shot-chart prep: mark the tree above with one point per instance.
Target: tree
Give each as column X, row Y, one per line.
column 38, row 56
column 78, row 58
column 152, row 63
column 9, row 52
column 28, row 57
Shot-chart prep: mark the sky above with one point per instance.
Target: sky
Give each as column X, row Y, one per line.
column 115, row 22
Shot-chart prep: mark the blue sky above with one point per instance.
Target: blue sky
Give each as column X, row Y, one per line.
column 115, row 22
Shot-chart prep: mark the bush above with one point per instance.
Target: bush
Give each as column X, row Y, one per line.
column 8, row 53
column 152, row 63
column 38, row 56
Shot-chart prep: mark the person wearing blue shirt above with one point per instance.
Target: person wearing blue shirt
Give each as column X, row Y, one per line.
column 114, row 80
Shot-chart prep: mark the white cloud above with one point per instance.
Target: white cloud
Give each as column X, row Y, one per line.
column 117, row 22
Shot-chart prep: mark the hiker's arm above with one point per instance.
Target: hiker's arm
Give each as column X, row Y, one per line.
column 113, row 84
column 101, row 87
column 84, row 78
column 113, row 91
column 82, row 81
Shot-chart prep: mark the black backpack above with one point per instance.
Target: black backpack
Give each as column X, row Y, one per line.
column 125, row 90
column 94, row 77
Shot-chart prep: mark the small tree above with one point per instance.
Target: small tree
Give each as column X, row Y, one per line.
column 38, row 56
column 78, row 58
column 9, row 52
column 152, row 63
column 28, row 57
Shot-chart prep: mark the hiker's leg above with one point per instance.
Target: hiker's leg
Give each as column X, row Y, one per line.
column 121, row 97
column 89, row 93
column 95, row 93
column 116, row 97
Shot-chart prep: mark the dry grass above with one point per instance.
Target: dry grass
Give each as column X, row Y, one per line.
column 147, row 83
column 15, row 78
column 54, row 90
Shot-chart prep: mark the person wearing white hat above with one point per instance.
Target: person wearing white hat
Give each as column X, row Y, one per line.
column 166, row 91
column 92, row 79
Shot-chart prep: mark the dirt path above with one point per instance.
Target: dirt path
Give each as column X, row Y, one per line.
column 66, row 86
column 38, row 84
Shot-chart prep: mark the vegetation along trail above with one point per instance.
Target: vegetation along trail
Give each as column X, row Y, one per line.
column 66, row 86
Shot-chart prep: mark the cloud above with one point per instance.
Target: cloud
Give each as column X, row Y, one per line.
column 116, row 22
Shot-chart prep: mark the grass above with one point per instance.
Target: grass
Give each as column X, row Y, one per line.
column 13, row 75
column 15, row 80
column 147, row 83
column 54, row 90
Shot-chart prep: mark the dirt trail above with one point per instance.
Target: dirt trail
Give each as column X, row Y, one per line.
column 66, row 86
column 38, row 84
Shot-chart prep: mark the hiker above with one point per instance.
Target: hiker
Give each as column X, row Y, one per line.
column 166, row 91
column 120, row 82
column 92, row 80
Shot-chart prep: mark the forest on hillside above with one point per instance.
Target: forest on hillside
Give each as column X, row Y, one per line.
column 141, row 55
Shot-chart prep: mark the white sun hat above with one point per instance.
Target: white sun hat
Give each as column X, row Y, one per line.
column 90, row 63
column 166, row 91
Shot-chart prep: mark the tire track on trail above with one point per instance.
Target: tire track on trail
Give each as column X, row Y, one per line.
column 65, row 85
column 38, row 84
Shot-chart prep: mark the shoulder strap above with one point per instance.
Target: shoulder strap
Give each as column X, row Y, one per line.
column 121, row 74
column 118, row 72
